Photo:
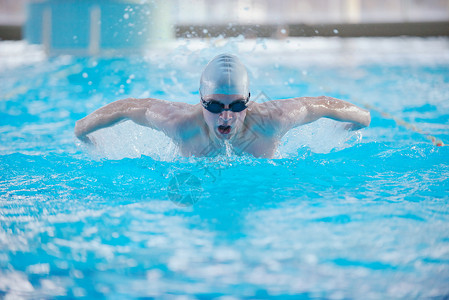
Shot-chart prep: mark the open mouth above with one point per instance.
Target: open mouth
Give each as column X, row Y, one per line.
column 224, row 129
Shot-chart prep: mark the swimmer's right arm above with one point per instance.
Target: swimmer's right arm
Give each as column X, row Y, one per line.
column 153, row 113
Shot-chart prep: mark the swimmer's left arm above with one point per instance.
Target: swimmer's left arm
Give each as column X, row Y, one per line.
column 300, row 111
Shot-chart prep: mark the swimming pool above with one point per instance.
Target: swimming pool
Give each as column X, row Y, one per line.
column 336, row 215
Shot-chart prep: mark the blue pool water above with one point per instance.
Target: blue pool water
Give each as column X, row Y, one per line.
column 336, row 215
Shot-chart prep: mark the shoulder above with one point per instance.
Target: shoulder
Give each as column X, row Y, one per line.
column 264, row 117
column 279, row 109
column 170, row 117
column 276, row 117
column 158, row 103
column 189, row 122
column 169, row 109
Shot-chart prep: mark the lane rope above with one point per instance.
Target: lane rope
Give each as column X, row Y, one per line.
column 400, row 122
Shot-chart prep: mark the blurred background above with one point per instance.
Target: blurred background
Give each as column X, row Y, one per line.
column 95, row 26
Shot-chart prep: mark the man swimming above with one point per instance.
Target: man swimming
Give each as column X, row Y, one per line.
column 224, row 116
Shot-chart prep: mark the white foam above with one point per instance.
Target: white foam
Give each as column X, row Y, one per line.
column 18, row 53
column 322, row 136
column 131, row 140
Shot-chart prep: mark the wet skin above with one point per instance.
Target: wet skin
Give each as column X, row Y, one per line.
column 256, row 130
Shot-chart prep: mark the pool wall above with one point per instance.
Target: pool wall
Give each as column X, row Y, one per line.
column 97, row 27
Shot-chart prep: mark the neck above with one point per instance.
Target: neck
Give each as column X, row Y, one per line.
column 224, row 146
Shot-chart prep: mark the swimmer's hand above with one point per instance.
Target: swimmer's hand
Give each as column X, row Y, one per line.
column 363, row 120
column 79, row 133
column 85, row 139
column 353, row 127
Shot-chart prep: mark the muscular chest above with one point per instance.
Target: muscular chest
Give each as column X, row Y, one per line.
column 199, row 146
column 252, row 143
column 259, row 146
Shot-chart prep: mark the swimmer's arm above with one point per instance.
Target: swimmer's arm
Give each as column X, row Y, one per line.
column 153, row 113
column 300, row 111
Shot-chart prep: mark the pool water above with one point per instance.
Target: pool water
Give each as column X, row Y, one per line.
column 337, row 214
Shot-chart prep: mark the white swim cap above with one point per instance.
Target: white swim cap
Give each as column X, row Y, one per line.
column 224, row 74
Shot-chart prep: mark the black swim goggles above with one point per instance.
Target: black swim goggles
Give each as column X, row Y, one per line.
column 217, row 107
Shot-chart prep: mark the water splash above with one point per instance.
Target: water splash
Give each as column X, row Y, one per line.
column 229, row 149
column 129, row 140
column 322, row 136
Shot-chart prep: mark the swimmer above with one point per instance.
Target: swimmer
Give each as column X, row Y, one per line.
column 225, row 115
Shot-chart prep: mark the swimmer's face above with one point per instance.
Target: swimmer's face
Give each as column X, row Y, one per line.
column 227, row 123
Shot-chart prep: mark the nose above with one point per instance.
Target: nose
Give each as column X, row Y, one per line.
column 226, row 116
